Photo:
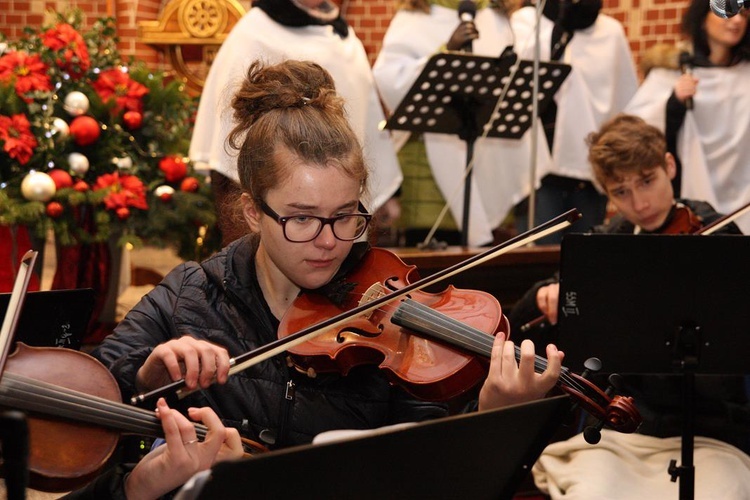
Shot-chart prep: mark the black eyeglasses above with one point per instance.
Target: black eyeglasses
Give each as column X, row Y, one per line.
column 304, row 228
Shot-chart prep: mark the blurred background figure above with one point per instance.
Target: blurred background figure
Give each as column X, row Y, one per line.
column 272, row 31
column 602, row 81
column 702, row 107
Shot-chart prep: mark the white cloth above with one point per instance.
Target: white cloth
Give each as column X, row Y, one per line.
column 713, row 143
column 601, row 83
column 257, row 37
column 498, row 178
column 634, row 466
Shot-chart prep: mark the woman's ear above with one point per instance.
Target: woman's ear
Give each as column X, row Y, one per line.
column 250, row 212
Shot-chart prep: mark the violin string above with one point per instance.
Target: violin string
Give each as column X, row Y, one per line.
column 63, row 402
column 467, row 335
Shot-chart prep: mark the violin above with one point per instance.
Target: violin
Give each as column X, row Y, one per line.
column 378, row 300
column 683, row 221
column 75, row 416
column 429, row 343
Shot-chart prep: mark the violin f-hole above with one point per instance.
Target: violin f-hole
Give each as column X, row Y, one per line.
column 340, row 338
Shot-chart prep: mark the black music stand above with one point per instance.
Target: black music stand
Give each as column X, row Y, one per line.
column 482, row 455
column 457, row 94
column 658, row 304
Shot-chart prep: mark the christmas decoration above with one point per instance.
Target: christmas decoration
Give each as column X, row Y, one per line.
column 76, row 103
column 69, row 106
column 132, row 120
column 38, row 186
column 164, row 192
column 78, row 163
column 54, row 209
column 190, row 184
column 60, row 128
column 61, row 178
column 85, row 130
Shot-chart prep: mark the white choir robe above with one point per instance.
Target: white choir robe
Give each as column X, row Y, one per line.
column 601, row 83
column 500, row 177
column 714, row 141
column 257, row 37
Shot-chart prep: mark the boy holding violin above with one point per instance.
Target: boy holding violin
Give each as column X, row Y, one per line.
column 630, row 162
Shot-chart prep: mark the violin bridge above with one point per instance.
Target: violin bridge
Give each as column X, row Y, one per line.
column 375, row 291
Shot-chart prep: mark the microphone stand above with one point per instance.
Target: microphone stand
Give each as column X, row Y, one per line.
column 534, row 118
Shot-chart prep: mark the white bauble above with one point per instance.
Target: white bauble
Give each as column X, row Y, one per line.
column 38, row 186
column 60, row 128
column 76, row 103
column 78, row 163
column 164, row 191
column 125, row 163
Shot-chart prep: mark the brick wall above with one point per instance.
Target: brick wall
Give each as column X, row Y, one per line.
column 646, row 21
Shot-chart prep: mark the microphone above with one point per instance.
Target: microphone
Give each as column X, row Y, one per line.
column 467, row 10
column 728, row 8
column 686, row 66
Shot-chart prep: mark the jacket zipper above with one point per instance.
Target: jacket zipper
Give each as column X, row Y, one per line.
column 286, row 412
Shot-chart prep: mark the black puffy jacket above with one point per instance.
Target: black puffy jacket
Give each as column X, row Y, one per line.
column 220, row 301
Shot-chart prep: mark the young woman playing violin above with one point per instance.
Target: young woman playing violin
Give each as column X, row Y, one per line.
column 303, row 178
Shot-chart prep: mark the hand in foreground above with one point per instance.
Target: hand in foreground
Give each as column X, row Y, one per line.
column 197, row 361
column 547, row 300
column 171, row 465
column 510, row 382
column 685, row 87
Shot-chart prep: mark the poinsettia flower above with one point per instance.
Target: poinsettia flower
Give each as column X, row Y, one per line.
column 18, row 140
column 27, row 72
column 65, row 38
column 124, row 191
column 115, row 84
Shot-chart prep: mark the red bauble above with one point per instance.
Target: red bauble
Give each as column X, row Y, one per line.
column 190, row 184
column 173, row 167
column 85, row 130
column 54, row 209
column 81, row 186
column 61, row 177
column 132, row 120
column 123, row 213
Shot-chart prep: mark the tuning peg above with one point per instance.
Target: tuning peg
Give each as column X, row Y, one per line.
column 593, row 433
column 591, row 365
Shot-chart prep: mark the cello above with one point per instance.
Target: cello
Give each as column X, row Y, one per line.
column 71, row 399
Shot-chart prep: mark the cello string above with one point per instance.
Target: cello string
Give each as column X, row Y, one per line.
column 60, row 401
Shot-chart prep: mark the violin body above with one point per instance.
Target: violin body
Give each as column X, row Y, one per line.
column 684, row 221
column 427, row 369
column 64, row 454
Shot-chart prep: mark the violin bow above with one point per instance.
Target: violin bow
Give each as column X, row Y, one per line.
column 15, row 304
column 251, row 358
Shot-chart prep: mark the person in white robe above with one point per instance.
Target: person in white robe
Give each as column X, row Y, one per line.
column 276, row 30
column 711, row 139
column 416, row 33
column 601, row 83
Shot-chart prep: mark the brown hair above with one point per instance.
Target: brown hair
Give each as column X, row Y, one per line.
column 291, row 105
column 625, row 144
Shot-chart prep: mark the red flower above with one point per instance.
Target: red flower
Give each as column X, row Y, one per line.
column 128, row 94
column 124, row 191
column 19, row 142
column 65, row 38
column 27, row 72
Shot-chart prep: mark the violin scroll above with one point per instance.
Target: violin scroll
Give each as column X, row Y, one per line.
column 614, row 411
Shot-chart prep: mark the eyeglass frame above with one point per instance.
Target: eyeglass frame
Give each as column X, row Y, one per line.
column 324, row 221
